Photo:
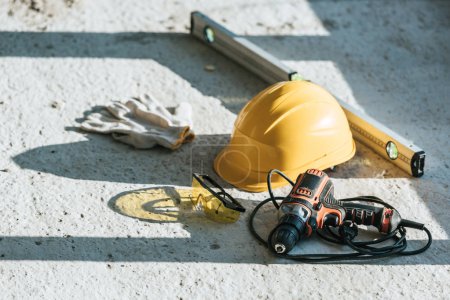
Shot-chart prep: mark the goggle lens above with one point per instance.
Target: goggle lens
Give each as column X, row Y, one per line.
column 213, row 207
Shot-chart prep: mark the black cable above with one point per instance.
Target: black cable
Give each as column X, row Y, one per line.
column 363, row 249
column 269, row 185
column 424, row 248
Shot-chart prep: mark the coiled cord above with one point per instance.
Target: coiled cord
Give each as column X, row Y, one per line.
column 344, row 235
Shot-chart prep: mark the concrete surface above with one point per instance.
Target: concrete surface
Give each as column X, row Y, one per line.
column 62, row 233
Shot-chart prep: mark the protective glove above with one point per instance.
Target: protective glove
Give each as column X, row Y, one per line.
column 143, row 123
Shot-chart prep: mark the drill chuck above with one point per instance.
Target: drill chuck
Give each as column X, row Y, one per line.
column 288, row 232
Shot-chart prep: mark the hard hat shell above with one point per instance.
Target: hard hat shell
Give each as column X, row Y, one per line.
column 290, row 126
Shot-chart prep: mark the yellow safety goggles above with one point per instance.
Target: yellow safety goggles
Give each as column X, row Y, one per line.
column 210, row 197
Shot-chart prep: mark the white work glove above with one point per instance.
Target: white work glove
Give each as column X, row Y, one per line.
column 143, row 122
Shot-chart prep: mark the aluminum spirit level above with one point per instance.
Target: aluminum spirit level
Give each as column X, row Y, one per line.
column 366, row 130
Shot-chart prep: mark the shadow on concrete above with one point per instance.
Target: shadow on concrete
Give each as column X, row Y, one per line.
column 100, row 158
column 215, row 244
column 230, row 83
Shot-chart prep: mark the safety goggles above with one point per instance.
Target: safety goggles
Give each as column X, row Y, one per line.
column 210, row 197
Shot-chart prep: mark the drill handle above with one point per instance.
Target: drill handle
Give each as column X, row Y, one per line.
column 384, row 219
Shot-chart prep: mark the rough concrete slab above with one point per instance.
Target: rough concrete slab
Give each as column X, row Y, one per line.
column 61, row 236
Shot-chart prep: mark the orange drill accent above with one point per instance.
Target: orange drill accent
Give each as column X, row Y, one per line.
column 386, row 221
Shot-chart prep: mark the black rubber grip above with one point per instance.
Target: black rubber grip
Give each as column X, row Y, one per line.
column 363, row 214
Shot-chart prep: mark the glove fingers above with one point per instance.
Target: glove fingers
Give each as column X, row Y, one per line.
column 155, row 106
column 98, row 122
column 128, row 114
column 102, row 117
column 105, row 128
column 105, row 122
column 144, row 115
column 154, row 112
column 118, row 110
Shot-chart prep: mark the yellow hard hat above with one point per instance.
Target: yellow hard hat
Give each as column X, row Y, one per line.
column 290, row 126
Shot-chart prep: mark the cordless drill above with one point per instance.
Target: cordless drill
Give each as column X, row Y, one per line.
column 311, row 205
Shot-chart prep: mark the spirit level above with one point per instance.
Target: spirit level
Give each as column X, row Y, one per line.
column 366, row 130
